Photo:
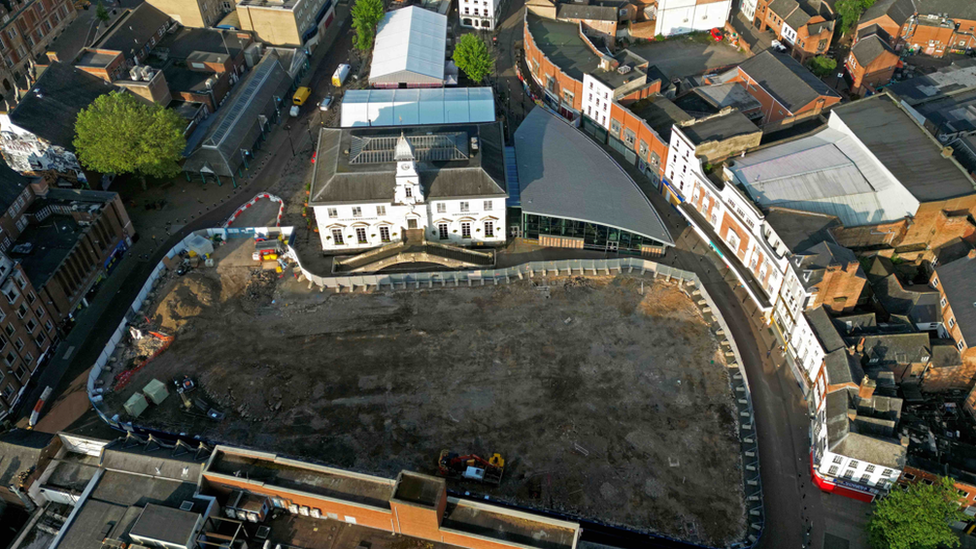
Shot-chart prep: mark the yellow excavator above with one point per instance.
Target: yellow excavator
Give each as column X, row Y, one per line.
column 471, row 467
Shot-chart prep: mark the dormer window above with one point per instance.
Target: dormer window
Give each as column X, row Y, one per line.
column 806, row 275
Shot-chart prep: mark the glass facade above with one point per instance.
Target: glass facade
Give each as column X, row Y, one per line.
column 595, row 237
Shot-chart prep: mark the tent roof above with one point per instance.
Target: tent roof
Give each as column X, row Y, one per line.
column 410, row 40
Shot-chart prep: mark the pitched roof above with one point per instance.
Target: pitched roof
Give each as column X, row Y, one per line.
column 843, row 437
column 958, row 281
column 134, row 29
column 447, row 165
column 19, row 451
column 812, row 263
column 801, row 230
column 955, row 9
column 898, row 10
column 843, row 368
column 410, row 47
column 660, row 113
column 789, row 82
column 50, row 108
column 869, row 48
column 824, row 329
column 12, row 184
column 557, row 168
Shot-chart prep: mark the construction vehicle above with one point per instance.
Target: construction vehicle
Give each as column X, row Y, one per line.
column 471, row 467
column 184, row 385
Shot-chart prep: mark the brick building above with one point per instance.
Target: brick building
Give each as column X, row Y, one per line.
column 871, row 61
column 931, row 27
column 787, row 91
column 957, row 296
column 29, row 329
column 290, row 23
column 135, row 34
column 27, row 31
column 806, row 26
column 194, row 13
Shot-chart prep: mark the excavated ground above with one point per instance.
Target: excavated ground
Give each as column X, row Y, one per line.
column 607, row 403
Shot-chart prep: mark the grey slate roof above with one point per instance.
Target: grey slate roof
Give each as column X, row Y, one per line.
column 869, row 48
column 897, row 349
column 186, row 41
column 843, row 368
column 958, row 281
column 50, row 108
column 165, row 524
column 339, row 178
column 843, row 438
column 134, row 29
column 801, row 230
column 958, row 76
column 92, row 524
column 789, row 82
column 812, row 263
column 563, row 173
column 824, row 329
column 719, row 128
column 582, row 11
column 12, row 184
column 888, row 132
column 962, row 9
column 898, row 10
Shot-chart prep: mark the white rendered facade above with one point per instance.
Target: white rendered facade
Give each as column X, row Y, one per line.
column 597, row 98
column 479, row 14
column 684, row 16
column 462, row 221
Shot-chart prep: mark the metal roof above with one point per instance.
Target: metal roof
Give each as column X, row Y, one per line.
column 562, row 173
column 410, row 47
column 410, row 107
column 829, row 172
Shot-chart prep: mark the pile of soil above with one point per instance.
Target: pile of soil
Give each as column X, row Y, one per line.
column 190, row 296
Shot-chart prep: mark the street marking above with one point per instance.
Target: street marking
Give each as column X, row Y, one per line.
column 68, row 352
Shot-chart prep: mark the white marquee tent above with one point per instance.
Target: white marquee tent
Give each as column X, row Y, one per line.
column 417, row 106
column 410, row 49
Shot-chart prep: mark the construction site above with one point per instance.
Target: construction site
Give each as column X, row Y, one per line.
column 604, row 397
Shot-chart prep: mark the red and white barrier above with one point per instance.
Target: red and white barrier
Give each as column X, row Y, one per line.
column 251, row 202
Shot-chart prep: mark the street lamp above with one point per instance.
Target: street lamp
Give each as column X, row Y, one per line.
column 244, row 154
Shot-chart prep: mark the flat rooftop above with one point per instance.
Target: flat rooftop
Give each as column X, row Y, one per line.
column 322, row 481
column 419, row 489
column 720, row 128
column 51, row 241
column 270, row 4
column 298, row 531
column 511, row 526
column 561, row 43
column 94, row 58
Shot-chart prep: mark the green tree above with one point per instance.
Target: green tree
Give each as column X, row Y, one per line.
column 101, row 13
column 822, row 65
column 850, row 11
column 471, row 56
column 118, row 133
column 366, row 14
column 916, row 518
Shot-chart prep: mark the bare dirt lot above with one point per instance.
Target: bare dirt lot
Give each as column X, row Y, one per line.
column 607, row 404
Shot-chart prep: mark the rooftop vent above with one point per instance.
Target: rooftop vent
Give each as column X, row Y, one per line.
column 186, row 506
column 623, row 69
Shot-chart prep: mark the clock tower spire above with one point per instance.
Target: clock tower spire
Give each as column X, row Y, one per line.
column 408, row 189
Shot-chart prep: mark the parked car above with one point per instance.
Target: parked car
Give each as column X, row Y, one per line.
column 717, row 34
column 326, row 103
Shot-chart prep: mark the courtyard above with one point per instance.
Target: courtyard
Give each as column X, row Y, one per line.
column 607, row 396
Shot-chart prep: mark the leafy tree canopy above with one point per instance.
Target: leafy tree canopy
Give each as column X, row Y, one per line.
column 471, row 56
column 822, row 65
column 118, row 133
column 916, row 518
column 850, row 11
column 366, row 14
column 101, row 13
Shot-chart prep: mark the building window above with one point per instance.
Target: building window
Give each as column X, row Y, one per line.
column 489, row 229
column 869, row 468
column 361, row 235
column 887, row 473
column 385, row 234
column 19, row 344
column 409, row 191
column 31, row 297
column 465, row 206
column 952, row 322
column 487, row 205
column 381, row 210
column 853, row 464
column 41, row 338
column 630, row 137
column 614, row 126
column 337, row 237
column 832, row 471
column 441, row 207
column 848, row 474
column 31, row 325
column 22, row 311
column 49, row 326
column 865, row 479
column 357, row 211
column 442, row 231
column 961, row 345
column 943, row 302
column 333, row 213
column 838, row 460
column 466, row 230
column 935, row 282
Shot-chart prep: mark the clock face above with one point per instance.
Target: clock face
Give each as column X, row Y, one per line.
column 404, row 166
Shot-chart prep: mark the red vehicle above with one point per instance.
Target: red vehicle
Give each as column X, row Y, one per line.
column 717, row 34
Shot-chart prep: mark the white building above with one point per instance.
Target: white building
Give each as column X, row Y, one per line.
column 362, row 108
column 597, row 98
column 479, row 14
column 372, row 185
column 410, row 50
column 683, row 16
